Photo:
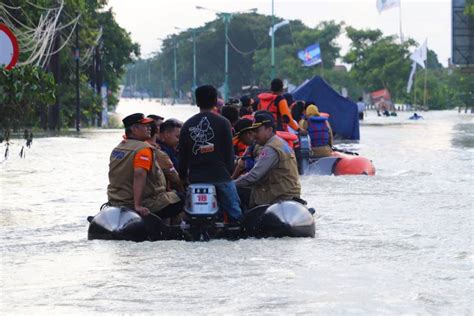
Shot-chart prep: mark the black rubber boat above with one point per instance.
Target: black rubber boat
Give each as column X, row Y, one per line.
column 283, row 219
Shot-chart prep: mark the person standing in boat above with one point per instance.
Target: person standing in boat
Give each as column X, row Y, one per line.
column 319, row 131
column 276, row 104
column 206, row 153
column 275, row 174
column 135, row 179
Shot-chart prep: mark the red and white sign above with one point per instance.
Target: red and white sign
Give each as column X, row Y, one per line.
column 9, row 50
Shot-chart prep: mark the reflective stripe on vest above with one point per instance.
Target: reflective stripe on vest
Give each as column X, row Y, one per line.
column 318, row 131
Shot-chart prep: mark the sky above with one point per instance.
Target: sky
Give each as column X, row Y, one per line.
column 150, row 20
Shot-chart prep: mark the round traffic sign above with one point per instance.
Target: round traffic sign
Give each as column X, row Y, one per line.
column 9, row 50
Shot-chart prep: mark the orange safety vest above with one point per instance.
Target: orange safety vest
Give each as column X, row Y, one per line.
column 269, row 102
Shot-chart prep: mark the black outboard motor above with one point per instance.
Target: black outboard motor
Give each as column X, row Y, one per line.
column 304, row 153
column 117, row 223
column 201, row 208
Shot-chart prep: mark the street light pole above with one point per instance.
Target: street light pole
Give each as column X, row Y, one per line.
column 78, row 97
column 194, row 60
column 161, row 83
column 226, row 17
column 273, row 43
column 175, row 75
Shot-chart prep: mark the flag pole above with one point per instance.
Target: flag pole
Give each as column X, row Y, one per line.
column 400, row 20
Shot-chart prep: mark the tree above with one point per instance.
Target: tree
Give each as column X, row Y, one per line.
column 24, row 93
column 101, row 39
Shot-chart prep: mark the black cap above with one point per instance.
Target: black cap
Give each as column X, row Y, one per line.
column 155, row 117
column 136, row 118
column 243, row 125
column 262, row 118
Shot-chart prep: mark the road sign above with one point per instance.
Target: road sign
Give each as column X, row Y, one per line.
column 9, row 50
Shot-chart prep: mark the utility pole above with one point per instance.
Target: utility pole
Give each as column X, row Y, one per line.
column 226, row 17
column 273, row 42
column 78, row 100
column 175, row 74
column 98, row 76
column 161, row 84
column 149, row 83
column 194, row 67
column 55, row 68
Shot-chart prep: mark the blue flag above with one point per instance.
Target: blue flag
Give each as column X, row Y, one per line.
column 311, row 55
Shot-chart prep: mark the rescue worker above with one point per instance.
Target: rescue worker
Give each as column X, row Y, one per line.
column 155, row 128
column 275, row 103
column 244, row 145
column 206, row 154
column 167, row 154
column 275, row 174
column 319, row 131
column 135, row 179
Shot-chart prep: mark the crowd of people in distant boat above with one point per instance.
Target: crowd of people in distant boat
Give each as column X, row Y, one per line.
column 247, row 151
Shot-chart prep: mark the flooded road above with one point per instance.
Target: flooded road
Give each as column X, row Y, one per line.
column 396, row 243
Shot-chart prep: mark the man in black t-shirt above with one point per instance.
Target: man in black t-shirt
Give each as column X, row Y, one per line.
column 206, row 153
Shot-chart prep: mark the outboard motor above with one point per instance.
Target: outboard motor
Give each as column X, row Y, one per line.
column 305, row 151
column 201, row 208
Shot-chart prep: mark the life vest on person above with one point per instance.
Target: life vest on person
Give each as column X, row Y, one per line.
column 290, row 138
column 269, row 102
column 318, row 131
column 239, row 147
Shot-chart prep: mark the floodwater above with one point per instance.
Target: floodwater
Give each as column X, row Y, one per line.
column 396, row 243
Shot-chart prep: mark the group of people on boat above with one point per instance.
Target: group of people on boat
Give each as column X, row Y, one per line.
column 247, row 153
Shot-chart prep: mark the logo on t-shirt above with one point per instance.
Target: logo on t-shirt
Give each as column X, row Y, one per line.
column 201, row 135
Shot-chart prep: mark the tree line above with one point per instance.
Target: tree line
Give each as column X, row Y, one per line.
column 43, row 95
column 375, row 61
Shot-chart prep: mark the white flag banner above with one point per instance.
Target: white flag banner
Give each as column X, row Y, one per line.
column 410, row 79
column 387, row 4
column 420, row 54
column 277, row 26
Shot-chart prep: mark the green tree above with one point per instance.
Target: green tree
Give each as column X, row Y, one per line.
column 24, row 93
column 114, row 47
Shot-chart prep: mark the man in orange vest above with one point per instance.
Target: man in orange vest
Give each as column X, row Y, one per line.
column 275, row 103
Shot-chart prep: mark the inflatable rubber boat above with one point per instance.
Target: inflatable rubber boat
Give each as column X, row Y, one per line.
column 339, row 163
column 282, row 219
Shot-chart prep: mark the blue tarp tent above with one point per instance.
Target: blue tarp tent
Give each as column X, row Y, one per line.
column 343, row 112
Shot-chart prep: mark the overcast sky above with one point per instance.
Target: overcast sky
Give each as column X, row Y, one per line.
column 148, row 20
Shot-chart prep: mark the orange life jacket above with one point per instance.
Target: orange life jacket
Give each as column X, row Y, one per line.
column 239, row 147
column 290, row 138
column 269, row 102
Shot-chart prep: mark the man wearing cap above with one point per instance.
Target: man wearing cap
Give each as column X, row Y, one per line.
column 276, row 103
column 155, row 128
column 244, row 145
column 206, row 154
column 275, row 174
column 135, row 179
